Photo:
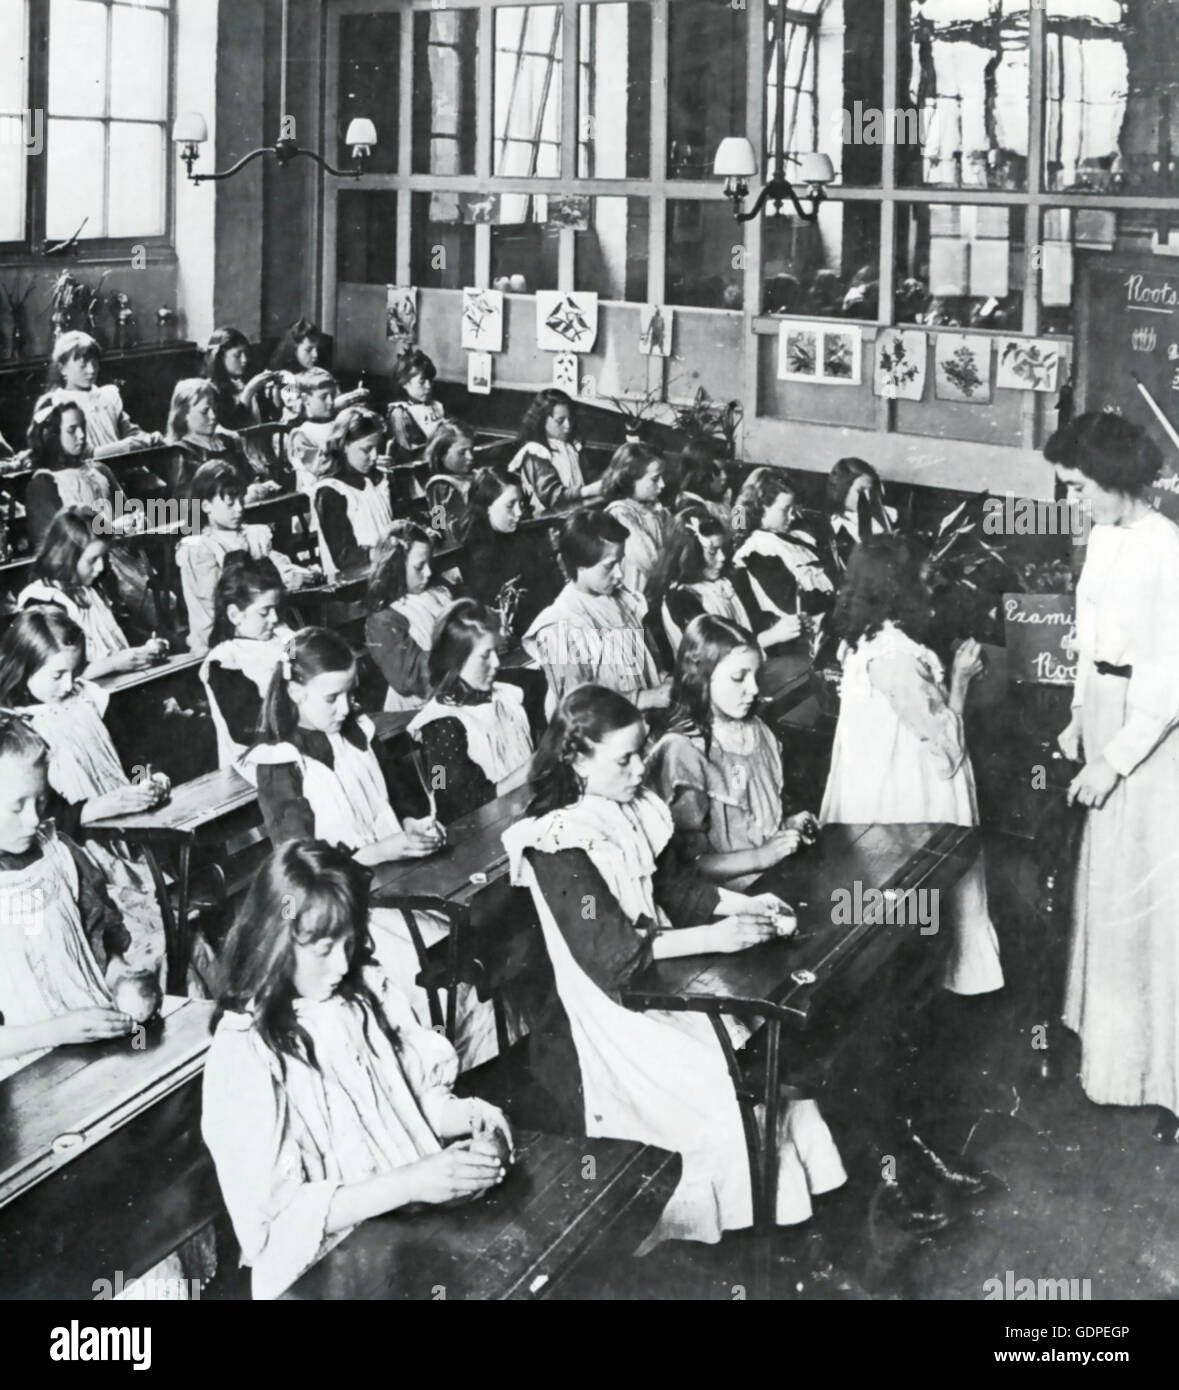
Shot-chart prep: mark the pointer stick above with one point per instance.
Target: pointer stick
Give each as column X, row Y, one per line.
column 1162, row 419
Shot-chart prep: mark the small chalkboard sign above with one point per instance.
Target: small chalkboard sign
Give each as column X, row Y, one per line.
column 1041, row 638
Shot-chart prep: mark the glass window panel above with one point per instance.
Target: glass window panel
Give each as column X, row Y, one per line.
column 77, row 58
column 12, row 178
column 144, row 4
column 707, row 44
column 13, row 44
column 705, row 250
column 960, row 267
column 442, row 246
column 833, row 64
column 611, row 256
column 370, row 66
column 1110, row 87
column 524, row 252
column 824, row 269
column 366, row 236
column 75, row 180
column 138, row 66
column 965, row 70
column 136, row 180
column 527, row 91
column 614, row 91
column 446, row 52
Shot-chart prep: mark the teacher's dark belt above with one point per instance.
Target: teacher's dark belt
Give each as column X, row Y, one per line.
column 1103, row 668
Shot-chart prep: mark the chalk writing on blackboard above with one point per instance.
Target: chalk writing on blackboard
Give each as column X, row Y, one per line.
column 1041, row 632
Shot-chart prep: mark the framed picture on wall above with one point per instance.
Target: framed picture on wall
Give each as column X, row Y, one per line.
column 822, row 354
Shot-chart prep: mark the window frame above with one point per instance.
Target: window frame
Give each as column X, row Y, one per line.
column 90, row 249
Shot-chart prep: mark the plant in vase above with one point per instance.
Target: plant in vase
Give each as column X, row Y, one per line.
column 704, row 418
column 638, row 414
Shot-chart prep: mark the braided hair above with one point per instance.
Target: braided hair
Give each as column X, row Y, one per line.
column 581, row 721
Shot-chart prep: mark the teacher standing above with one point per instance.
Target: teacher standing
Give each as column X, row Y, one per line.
column 1122, row 987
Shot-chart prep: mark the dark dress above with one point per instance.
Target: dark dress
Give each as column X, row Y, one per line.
column 493, row 558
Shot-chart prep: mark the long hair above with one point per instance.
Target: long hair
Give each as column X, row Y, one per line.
column 285, row 358
column 386, row 583
column 459, row 628
column 185, row 395
column 445, row 437
column 222, row 341
column 702, row 467
column 349, row 426
column 305, row 891
column 410, row 364
column 488, row 484
column 62, row 546
column 707, row 641
column 884, row 582
column 627, row 465
column 311, row 652
column 33, row 636
column 44, row 437
column 18, row 739
column 68, row 347
column 582, row 720
column 537, row 414
column 243, row 580
column 682, row 558
column 760, row 490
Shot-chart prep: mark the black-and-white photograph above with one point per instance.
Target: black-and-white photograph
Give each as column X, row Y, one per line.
column 467, row 836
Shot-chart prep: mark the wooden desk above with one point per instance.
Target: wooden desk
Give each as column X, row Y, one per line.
column 756, row 985
column 522, row 1241
column 175, row 665
column 139, row 1184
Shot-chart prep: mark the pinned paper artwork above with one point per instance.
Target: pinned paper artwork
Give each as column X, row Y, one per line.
column 479, row 373
column 655, row 330
column 1027, row 364
column 820, row 353
column 483, row 320
column 568, row 210
column 901, row 356
column 566, row 320
column 565, row 372
column 479, row 207
column 962, row 367
column 401, row 316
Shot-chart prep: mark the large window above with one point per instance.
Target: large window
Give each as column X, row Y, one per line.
column 85, row 96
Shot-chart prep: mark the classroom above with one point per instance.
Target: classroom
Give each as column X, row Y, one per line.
column 589, row 651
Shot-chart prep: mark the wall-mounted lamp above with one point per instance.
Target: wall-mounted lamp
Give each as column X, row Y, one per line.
column 736, row 163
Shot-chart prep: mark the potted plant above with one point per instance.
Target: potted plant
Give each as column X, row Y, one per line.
column 704, row 418
column 638, row 414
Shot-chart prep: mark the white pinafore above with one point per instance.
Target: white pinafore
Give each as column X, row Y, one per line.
column 255, row 660
column 498, row 736
column 421, row 612
column 369, row 515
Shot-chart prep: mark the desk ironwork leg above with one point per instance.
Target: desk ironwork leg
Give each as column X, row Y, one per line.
column 179, row 957
column 773, row 1099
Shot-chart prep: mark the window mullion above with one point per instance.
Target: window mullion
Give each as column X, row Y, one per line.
column 106, row 123
column 657, row 238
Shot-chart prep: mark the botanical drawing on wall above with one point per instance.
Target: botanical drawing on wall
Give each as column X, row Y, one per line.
column 483, row 320
column 962, row 367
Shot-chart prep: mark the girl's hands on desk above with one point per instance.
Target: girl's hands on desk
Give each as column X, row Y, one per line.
column 418, row 838
column 130, row 800
column 778, row 847
column 742, row 931
column 90, row 1025
column 458, row 1171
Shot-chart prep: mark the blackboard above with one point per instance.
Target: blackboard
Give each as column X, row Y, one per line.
column 1041, row 635
column 1127, row 326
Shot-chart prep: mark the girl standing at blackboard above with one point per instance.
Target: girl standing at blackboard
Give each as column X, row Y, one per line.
column 1122, row 990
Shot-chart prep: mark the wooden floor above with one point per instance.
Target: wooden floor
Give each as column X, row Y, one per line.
column 1088, row 1194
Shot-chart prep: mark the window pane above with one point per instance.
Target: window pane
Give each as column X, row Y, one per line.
column 137, row 180
column 833, row 62
column 524, row 252
column 1110, row 86
column 77, row 58
column 76, row 172
column 370, row 65
column 442, row 249
column 138, row 64
column 527, row 95
column 13, row 45
column 703, row 243
column 611, row 257
column 824, row 269
column 965, row 69
column 446, row 51
column 12, row 178
column 960, row 266
column 366, row 237
column 707, row 43
column 614, row 91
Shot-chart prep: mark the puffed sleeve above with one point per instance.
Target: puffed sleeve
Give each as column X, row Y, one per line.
column 400, row 660
column 920, row 704
column 542, row 480
column 277, row 1193
column 678, row 772
column 1152, row 701
column 199, row 571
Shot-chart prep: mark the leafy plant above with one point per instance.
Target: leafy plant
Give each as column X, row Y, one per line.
column 638, row 413
column 704, row 418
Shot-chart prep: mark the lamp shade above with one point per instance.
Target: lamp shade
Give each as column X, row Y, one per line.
column 816, row 169
column 361, row 131
column 189, row 128
column 735, row 159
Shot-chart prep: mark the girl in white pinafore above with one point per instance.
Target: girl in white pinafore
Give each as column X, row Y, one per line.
column 900, row 751
column 656, row 1078
column 318, row 778
column 350, row 511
